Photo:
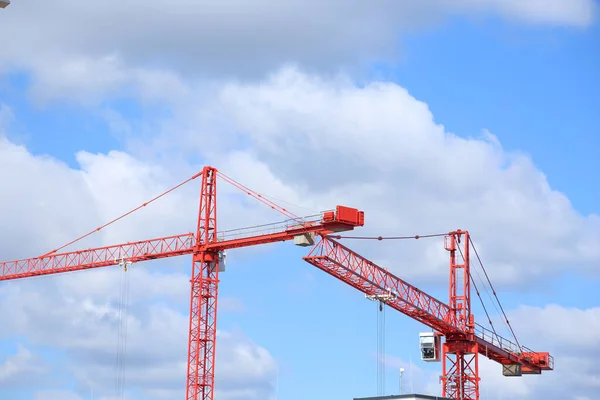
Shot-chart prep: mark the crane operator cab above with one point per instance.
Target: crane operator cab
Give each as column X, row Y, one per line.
column 430, row 345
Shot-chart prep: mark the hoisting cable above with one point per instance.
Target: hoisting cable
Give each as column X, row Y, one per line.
column 275, row 199
column 487, row 292
column 387, row 237
column 383, row 356
column 125, row 325
column 479, row 294
column 378, row 355
column 124, row 215
column 122, row 319
column 119, row 329
column 487, row 315
column 260, row 197
column 495, row 295
column 380, row 348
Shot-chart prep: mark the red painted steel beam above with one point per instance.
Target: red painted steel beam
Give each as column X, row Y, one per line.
column 143, row 250
column 164, row 247
column 504, row 351
column 355, row 270
column 315, row 227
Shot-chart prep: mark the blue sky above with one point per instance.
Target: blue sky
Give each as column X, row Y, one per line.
column 535, row 87
column 532, row 87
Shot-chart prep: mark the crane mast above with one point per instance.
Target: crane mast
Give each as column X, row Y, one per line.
column 203, row 298
column 460, row 361
column 464, row 339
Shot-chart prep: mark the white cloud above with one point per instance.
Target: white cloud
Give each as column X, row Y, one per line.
column 72, row 53
column 18, row 369
column 318, row 142
column 78, row 314
column 547, row 12
column 56, row 394
column 570, row 335
column 88, row 80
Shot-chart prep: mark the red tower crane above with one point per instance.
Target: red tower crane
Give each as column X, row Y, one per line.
column 206, row 248
column 464, row 339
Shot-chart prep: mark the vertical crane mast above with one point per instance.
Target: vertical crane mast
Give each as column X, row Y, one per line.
column 460, row 286
column 204, row 291
column 460, row 362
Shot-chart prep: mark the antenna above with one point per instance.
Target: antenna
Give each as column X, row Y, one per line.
column 412, row 388
column 277, row 384
column 401, row 372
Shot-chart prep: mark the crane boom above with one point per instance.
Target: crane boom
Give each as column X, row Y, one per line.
column 177, row 245
column 98, row 257
column 364, row 275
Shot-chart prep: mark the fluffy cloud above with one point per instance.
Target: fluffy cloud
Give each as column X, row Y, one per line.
column 71, row 47
column 319, row 142
column 572, row 337
column 551, row 12
column 58, row 394
column 78, row 314
column 18, row 369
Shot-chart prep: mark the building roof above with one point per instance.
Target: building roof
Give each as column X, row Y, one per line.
column 404, row 396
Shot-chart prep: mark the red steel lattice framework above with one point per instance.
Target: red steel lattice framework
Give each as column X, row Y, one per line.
column 203, row 298
column 460, row 361
column 206, row 248
column 464, row 339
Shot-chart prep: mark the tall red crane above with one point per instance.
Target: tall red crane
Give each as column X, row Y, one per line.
column 206, row 248
column 464, row 339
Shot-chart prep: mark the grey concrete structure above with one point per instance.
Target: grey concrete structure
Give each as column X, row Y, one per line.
column 404, row 397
